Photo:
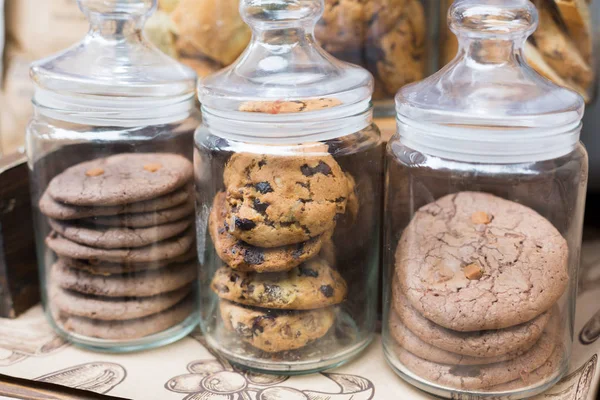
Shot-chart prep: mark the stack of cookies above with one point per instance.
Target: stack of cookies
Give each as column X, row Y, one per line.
column 272, row 226
column 475, row 294
column 123, row 235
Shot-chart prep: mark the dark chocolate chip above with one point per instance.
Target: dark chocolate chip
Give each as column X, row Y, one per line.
column 262, row 163
column 234, row 278
column 327, row 290
column 259, row 206
column 321, row 168
column 256, row 324
column 298, row 251
column 254, row 255
column 263, row 187
column 465, row 371
column 244, row 224
column 305, row 271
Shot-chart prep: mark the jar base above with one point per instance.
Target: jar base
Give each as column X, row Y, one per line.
column 290, row 368
column 450, row 393
column 160, row 339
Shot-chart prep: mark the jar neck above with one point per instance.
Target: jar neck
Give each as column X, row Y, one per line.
column 492, row 51
column 289, row 128
column 489, row 144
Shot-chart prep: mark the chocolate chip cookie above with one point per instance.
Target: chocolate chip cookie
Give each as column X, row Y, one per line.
column 342, row 26
column 121, row 179
column 312, row 285
column 245, row 257
column 275, row 331
column 473, row 261
column 278, row 200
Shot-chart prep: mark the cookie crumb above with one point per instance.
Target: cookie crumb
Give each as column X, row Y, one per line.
column 473, row 272
column 152, row 167
column 481, row 217
column 94, row 172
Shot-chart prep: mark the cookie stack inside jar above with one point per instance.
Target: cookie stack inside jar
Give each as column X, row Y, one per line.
column 112, row 177
column 485, row 200
column 288, row 169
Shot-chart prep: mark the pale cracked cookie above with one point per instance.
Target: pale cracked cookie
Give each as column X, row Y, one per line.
column 165, row 250
column 53, row 209
column 118, row 237
column 69, row 274
column 114, row 308
column 278, row 200
column 289, row 106
column 312, row 285
column 408, row 340
column 127, row 329
column 145, row 220
column 121, row 179
column 275, row 331
column 492, row 343
column 476, row 377
column 245, row 257
column 472, row 261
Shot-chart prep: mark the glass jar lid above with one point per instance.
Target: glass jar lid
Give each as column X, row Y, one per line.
column 113, row 76
column 284, row 76
column 488, row 105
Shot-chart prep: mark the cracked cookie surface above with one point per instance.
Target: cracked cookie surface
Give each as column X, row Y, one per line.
column 121, row 179
column 275, row 331
column 491, row 343
column 521, row 256
column 278, row 200
column 312, row 285
column 245, row 257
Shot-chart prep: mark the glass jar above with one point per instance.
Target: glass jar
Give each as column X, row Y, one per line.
column 110, row 158
column 288, row 181
column 561, row 49
column 486, row 182
column 393, row 39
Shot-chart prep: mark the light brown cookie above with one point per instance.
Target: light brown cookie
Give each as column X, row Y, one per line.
column 129, row 329
column 114, row 238
column 474, row 377
column 165, row 250
column 277, row 200
column 472, row 261
column 67, row 274
column 343, row 25
column 408, row 340
column 121, row 179
column 145, row 220
column 245, row 257
column 312, row 285
column 491, row 343
column 114, row 308
column 289, row 106
column 548, row 370
column 53, row 209
column 214, row 29
column 398, row 56
column 275, row 331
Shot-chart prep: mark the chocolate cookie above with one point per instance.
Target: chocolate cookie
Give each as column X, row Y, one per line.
column 144, row 220
column 313, row 284
column 121, row 179
column 97, row 267
column 245, row 257
column 277, row 200
column 164, row 250
column 114, row 308
column 114, row 238
column 474, row 377
column 61, row 211
column 129, row 329
column 408, row 340
column 492, row 343
column 67, row 274
column 275, row 331
column 473, row 261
